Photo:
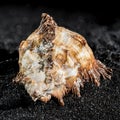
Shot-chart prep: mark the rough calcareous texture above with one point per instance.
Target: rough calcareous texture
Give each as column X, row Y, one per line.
column 54, row 60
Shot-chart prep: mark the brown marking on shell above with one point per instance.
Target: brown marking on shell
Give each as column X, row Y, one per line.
column 70, row 82
column 54, row 61
column 59, row 92
column 79, row 38
column 18, row 77
column 47, row 27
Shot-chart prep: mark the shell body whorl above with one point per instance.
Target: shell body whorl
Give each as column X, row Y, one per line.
column 54, row 60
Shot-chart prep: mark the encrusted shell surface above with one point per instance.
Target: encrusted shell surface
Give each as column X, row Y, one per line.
column 54, row 60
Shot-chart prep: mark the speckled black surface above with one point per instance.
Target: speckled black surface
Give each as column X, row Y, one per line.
column 96, row 103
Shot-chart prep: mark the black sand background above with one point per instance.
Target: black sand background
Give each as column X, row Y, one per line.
column 102, row 31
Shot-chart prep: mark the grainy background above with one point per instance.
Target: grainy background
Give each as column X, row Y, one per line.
column 98, row 25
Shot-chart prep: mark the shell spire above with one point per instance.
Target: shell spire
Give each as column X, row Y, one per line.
column 54, row 61
column 47, row 27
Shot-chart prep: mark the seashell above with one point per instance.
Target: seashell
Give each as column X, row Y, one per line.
column 54, row 61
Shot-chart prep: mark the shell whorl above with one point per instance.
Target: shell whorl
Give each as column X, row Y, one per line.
column 47, row 27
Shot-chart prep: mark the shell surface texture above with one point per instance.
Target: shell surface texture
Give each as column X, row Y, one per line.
column 54, row 61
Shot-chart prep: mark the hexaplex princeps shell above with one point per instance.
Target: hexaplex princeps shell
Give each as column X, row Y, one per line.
column 54, row 60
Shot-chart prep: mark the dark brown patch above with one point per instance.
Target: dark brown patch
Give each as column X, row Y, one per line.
column 47, row 27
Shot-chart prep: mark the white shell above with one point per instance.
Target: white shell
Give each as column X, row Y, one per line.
column 54, row 60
